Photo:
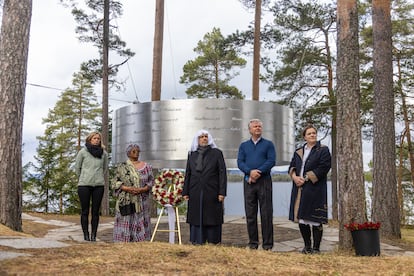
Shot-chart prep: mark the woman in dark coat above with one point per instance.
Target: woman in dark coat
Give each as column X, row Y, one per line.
column 205, row 187
column 308, row 203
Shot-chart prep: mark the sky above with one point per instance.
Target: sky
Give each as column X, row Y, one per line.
column 55, row 54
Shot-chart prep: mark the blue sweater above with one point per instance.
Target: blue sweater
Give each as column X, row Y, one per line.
column 261, row 156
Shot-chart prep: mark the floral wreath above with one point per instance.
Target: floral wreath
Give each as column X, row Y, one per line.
column 168, row 187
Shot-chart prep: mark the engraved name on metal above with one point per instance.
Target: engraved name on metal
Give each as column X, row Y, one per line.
column 165, row 129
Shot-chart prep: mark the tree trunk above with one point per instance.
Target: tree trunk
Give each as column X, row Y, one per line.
column 334, row 166
column 105, row 109
column 157, row 54
column 14, row 45
column 406, row 132
column 256, row 50
column 385, row 203
column 349, row 145
column 334, row 136
column 400, row 179
column 406, row 118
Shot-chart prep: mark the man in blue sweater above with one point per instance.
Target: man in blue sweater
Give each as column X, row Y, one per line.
column 256, row 158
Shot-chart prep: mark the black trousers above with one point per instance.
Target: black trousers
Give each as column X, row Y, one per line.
column 86, row 193
column 256, row 195
column 201, row 234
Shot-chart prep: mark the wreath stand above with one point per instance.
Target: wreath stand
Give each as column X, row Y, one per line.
column 177, row 222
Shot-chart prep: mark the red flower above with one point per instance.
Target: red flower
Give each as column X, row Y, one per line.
column 368, row 225
column 168, row 187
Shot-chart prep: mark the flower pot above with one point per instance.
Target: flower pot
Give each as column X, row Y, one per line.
column 366, row 242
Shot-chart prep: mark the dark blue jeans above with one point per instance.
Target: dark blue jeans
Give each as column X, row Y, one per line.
column 86, row 193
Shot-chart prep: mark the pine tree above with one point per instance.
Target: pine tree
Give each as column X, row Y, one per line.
column 210, row 73
column 90, row 30
column 349, row 145
column 38, row 178
column 75, row 114
column 385, row 202
column 257, row 5
column 14, row 47
column 402, row 51
column 94, row 26
column 300, row 68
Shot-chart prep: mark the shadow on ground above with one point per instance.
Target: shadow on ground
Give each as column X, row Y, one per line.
column 233, row 234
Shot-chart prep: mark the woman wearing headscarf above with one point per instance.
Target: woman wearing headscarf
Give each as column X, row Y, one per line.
column 90, row 166
column 205, row 188
column 132, row 183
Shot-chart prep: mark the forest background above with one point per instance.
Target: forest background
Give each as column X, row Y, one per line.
column 298, row 61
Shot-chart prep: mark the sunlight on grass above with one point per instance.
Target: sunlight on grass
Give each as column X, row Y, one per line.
column 162, row 258
column 171, row 259
column 407, row 234
column 5, row 231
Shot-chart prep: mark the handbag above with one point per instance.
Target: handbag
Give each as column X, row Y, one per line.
column 127, row 210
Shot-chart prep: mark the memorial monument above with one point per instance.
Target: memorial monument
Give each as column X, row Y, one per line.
column 165, row 129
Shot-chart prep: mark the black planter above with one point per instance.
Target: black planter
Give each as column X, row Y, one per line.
column 366, row 242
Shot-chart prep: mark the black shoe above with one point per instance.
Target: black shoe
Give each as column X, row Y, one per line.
column 253, row 246
column 316, row 251
column 93, row 237
column 86, row 236
column 307, row 250
column 267, row 248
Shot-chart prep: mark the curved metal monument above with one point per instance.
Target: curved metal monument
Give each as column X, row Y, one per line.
column 165, row 129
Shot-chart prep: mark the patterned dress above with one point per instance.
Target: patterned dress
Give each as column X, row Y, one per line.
column 129, row 228
column 147, row 179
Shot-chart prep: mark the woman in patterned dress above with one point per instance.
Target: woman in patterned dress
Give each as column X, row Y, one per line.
column 131, row 188
column 146, row 182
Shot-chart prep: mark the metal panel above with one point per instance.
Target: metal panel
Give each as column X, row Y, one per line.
column 165, row 129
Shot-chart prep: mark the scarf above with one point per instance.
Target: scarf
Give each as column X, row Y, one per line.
column 126, row 174
column 199, row 161
column 96, row 151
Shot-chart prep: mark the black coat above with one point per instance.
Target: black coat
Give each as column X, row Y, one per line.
column 211, row 181
column 312, row 204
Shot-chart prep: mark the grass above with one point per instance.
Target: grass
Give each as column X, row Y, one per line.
column 161, row 258
column 408, row 234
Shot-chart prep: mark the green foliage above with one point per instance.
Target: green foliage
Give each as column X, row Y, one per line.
column 404, row 164
column 300, row 67
column 210, row 73
column 38, row 179
column 368, row 176
column 408, row 200
column 251, row 4
column 90, row 30
column 243, row 40
column 51, row 184
column 402, row 17
column 407, row 187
